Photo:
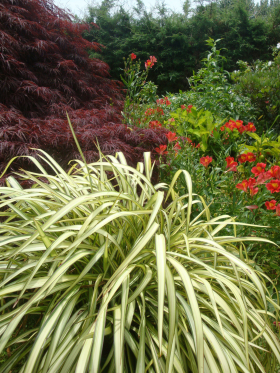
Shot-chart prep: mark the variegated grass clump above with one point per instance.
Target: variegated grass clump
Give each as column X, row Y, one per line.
column 102, row 271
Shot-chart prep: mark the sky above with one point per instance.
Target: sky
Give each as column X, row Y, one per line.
column 79, row 7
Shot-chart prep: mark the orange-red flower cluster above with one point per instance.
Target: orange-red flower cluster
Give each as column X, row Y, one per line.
column 161, row 150
column 151, row 111
column 238, row 124
column 155, row 124
column 231, row 164
column 150, row 63
column 163, row 101
column 245, row 184
column 133, row 56
column 189, row 108
column 171, row 136
column 248, row 157
column 205, row 161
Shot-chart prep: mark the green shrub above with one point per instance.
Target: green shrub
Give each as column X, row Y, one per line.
column 102, row 271
column 211, row 89
column 261, row 84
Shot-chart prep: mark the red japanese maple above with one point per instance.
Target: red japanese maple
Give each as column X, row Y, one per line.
column 44, row 72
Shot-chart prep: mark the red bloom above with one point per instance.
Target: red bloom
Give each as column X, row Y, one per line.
column 239, row 126
column 275, row 172
column 189, row 108
column 243, row 185
column 251, row 157
column 177, row 146
column 250, row 127
column 155, row 124
column 251, row 182
column 183, row 107
column 149, row 64
column 133, row 56
column 270, row 205
column 171, row 120
column 278, row 209
column 273, row 186
column 163, row 101
column 231, row 164
column 222, row 128
column 198, row 146
column 263, row 177
column 241, row 129
column 259, row 169
column 253, row 191
column 161, row 149
column 205, row 161
column 149, row 111
column 242, row 158
column 171, row 136
column 153, row 59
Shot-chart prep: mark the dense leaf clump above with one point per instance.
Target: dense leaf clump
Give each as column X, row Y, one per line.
column 44, row 72
column 112, row 274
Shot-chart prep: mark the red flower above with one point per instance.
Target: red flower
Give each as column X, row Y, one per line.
column 155, row 124
column 161, row 149
column 251, row 157
column 133, row 56
column 275, row 172
column 189, row 108
column 251, row 182
column 171, row 120
column 153, row 59
column 149, row 111
column 183, row 107
column 253, row 191
column 171, row 136
column 259, row 169
column 231, row 164
column 250, row 127
column 198, row 146
column 149, row 64
column 278, row 209
column 205, row 161
column 273, row 186
column 239, row 126
column 243, row 185
column 222, row 128
column 241, row 129
column 177, row 146
column 163, row 101
column 242, row 158
column 263, row 177
column 270, row 205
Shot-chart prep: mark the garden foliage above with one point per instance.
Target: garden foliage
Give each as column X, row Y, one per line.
column 261, row 84
column 247, row 30
column 103, row 271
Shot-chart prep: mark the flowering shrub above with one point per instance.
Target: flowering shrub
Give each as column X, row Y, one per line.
column 235, row 182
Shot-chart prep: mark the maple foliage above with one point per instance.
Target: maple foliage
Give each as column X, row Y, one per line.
column 44, row 72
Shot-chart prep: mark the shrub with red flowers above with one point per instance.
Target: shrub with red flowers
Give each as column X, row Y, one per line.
column 163, row 101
